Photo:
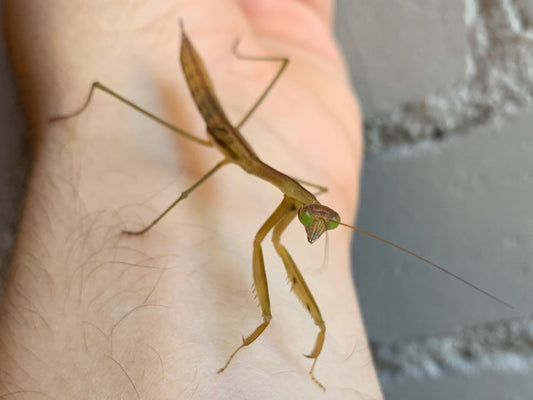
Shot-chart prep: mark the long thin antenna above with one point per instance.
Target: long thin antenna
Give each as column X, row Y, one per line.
column 430, row 263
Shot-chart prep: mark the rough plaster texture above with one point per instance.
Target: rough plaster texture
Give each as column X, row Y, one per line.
column 463, row 204
column 493, row 53
column 502, row 346
column 428, row 34
column 488, row 386
column 446, row 88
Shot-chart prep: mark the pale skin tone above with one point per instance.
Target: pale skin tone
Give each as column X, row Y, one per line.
column 89, row 312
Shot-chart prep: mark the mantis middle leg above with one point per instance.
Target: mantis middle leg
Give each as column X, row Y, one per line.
column 183, row 196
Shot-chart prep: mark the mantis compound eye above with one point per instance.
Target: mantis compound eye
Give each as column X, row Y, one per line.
column 305, row 217
column 334, row 222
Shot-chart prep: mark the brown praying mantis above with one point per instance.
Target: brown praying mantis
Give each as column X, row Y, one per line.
column 297, row 201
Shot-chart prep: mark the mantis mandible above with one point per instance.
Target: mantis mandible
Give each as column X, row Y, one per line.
column 297, row 201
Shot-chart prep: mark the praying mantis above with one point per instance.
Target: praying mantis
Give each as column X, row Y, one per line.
column 297, row 200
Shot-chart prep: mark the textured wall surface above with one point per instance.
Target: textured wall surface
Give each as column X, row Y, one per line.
column 447, row 89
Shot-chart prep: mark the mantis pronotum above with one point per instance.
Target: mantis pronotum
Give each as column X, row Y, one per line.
column 297, row 201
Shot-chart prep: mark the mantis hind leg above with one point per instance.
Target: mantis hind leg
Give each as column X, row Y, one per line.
column 284, row 62
column 105, row 89
column 299, row 287
column 260, row 279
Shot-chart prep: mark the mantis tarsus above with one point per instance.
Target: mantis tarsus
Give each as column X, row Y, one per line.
column 297, row 201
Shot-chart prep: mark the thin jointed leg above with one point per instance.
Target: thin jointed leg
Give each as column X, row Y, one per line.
column 182, row 197
column 298, row 284
column 103, row 88
column 284, row 62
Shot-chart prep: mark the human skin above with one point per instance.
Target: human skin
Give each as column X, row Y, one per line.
column 91, row 313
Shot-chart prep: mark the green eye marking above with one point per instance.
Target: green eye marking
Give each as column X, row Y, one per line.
column 305, row 218
column 333, row 223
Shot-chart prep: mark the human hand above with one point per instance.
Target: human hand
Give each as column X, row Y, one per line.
column 159, row 314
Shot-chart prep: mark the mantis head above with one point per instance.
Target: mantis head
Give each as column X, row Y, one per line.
column 317, row 219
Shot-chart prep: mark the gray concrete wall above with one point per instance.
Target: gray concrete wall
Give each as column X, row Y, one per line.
column 447, row 90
